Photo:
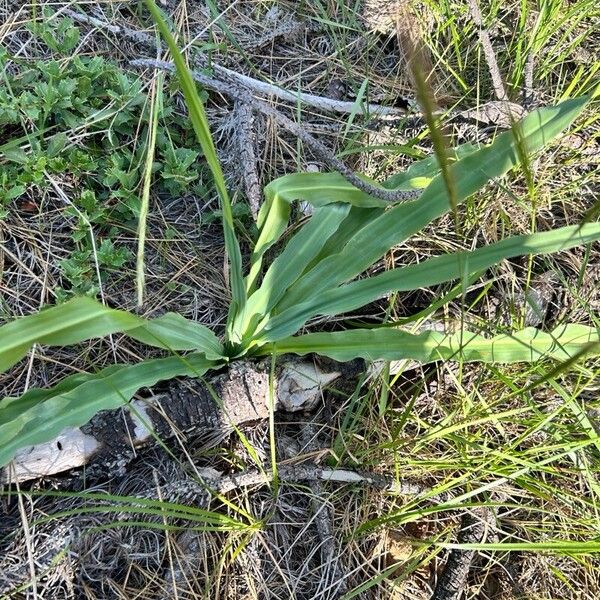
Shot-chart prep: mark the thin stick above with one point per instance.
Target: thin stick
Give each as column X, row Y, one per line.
column 488, row 51
column 239, row 93
column 296, row 474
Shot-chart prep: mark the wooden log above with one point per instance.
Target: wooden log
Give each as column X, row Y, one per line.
column 213, row 406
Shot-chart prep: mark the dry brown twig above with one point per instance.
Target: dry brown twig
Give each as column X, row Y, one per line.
column 315, row 145
column 243, row 89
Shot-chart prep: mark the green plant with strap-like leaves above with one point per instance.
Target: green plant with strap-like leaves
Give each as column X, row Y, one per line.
column 316, row 274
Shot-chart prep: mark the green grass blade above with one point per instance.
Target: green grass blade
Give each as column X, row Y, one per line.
column 202, row 129
column 527, row 345
column 430, row 272
column 38, row 417
column 82, row 319
column 398, row 223
column 155, row 108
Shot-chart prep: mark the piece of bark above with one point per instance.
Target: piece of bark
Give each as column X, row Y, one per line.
column 452, row 582
column 212, row 407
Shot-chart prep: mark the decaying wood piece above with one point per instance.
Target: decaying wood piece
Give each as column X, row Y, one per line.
column 212, row 407
column 244, row 122
column 453, row 579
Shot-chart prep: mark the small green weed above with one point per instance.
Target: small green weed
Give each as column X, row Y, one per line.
column 83, row 119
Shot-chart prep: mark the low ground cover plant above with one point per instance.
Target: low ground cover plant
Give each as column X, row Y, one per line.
column 320, row 271
column 83, row 119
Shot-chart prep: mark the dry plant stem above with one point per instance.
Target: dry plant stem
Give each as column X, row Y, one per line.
column 488, row 51
column 257, row 87
column 452, row 582
column 319, row 149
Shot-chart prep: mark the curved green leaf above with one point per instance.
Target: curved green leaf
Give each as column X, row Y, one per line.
column 429, row 272
column 39, row 416
column 319, row 189
column 178, row 334
column 527, row 345
column 81, row 319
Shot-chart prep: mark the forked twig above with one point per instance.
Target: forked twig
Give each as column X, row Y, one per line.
column 240, row 94
column 260, row 88
column 241, row 88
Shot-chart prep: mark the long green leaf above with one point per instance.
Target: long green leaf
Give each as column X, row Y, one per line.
column 40, row 416
column 527, row 345
column 290, row 264
column 202, row 129
column 403, row 220
column 430, row 272
column 81, row 319
column 321, row 189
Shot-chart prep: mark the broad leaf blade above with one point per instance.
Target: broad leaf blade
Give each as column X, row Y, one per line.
column 527, row 345
column 40, row 416
column 427, row 273
column 178, row 334
column 82, row 319
column 403, row 220
column 272, row 220
column 69, row 323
